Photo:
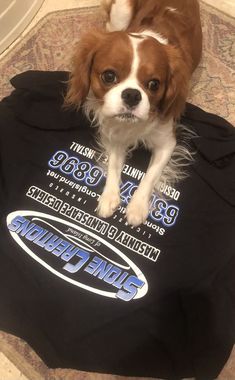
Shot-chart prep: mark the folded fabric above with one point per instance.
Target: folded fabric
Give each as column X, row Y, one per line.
column 99, row 295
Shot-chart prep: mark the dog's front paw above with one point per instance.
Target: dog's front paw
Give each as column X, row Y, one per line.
column 108, row 203
column 137, row 212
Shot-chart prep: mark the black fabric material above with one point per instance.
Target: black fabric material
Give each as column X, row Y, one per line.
column 175, row 317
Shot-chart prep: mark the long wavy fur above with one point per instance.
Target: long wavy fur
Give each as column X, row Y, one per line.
column 182, row 157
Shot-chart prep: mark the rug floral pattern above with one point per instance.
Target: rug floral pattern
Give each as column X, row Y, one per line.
column 49, row 46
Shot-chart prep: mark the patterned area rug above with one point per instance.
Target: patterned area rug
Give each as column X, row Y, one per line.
column 48, row 47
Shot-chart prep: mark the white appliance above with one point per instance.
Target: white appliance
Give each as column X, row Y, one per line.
column 15, row 15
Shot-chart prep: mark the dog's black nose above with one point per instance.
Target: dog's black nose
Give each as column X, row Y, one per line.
column 131, row 97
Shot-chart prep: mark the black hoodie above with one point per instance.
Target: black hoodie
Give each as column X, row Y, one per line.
column 98, row 295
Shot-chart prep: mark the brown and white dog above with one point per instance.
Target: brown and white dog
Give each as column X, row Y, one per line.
column 133, row 78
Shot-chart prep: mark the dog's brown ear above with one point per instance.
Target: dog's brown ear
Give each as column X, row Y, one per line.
column 79, row 82
column 173, row 101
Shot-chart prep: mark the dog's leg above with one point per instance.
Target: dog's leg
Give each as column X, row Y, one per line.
column 138, row 209
column 119, row 14
column 110, row 198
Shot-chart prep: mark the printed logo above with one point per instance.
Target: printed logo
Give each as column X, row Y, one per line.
column 77, row 255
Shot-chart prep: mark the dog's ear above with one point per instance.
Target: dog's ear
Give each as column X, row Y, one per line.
column 173, row 101
column 79, row 81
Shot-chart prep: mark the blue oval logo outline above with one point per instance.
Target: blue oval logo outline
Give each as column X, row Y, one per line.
column 140, row 292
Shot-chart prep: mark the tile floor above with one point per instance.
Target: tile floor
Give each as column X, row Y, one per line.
column 7, row 369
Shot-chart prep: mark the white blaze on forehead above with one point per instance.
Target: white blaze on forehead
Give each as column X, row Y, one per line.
column 113, row 102
column 136, row 60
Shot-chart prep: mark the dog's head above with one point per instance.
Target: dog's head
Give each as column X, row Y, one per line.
column 129, row 77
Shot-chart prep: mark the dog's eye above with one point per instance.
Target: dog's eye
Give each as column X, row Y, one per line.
column 109, row 77
column 153, row 85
